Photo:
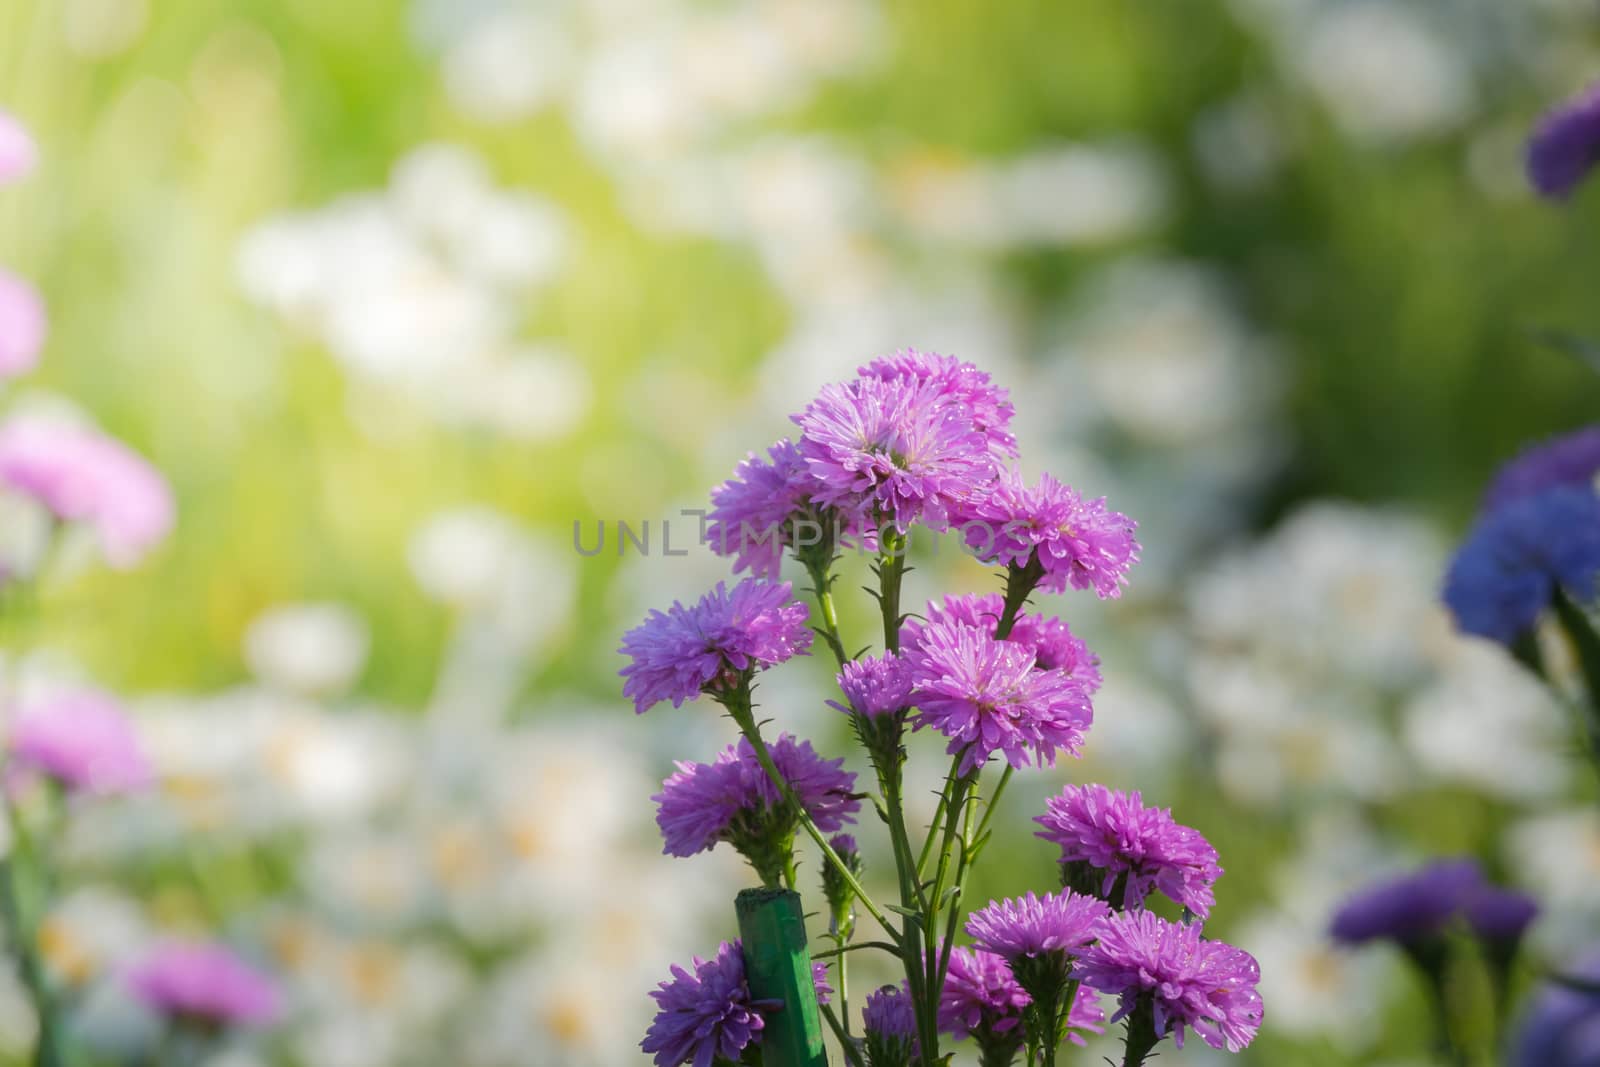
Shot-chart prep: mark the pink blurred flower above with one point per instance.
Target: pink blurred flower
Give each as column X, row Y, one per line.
column 18, row 153
column 22, row 326
column 82, row 475
column 82, row 739
column 205, row 982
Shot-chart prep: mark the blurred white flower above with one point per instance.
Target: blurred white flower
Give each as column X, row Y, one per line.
column 507, row 66
column 1383, row 70
column 1486, row 722
column 310, row 649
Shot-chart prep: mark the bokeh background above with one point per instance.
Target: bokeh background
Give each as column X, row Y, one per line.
column 398, row 292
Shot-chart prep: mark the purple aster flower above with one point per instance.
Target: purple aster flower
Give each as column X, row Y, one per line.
column 1506, row 573
column 1054, row 644
column 81, row 739
column 1411, row 908
column 1560, row 1027
column 893, row 451
column 1566, row 146
column 689, row 650
column 987, row 403
column 1085, row 1016
column 819, row 982
column 1572, row 459
column 1144, row 848
column 704, row 803
column 981, row 998
column 891, row 1027
column 81, row 475
column 874, row 686
column 766, row 507
column 1500, row 916
column 987, row 698
column 22, row 326
column 1073, row 541
column 1026, row 926
column 18, row 153
column 205, row 983
column 704, row 1015
column 1188, row 981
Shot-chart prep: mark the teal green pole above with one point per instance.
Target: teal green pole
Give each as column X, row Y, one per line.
column 777, row 965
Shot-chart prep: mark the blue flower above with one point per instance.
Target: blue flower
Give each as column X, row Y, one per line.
column 1508, row 570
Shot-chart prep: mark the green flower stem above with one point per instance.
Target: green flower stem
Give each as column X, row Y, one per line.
column 891, row 570
column 1586, row 643
column 851, row 1052
column 912, row 906
column 1141, row 1037
column 742, row 712
column 822, row 589
column 22, row 905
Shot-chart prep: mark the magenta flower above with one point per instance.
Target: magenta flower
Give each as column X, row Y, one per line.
column 705, row 1015
column 1054, row 644
column 819, row 982
column 874, row 686
column 964, row 383
column 205, row 983
column 1074, row 541
column 893, row 451
column 705, row 803
column 18, row 153
column 981, row 997
column 1085, row 1016
column 987, row 698
column 689, row 650
column 81, row 475
column 1031, row 926
column 1208, row 986
column 1114, row 833
column 765, row 507
column 22, row 326
column 82, row 740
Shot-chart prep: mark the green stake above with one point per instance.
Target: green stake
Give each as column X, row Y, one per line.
column 777, row 965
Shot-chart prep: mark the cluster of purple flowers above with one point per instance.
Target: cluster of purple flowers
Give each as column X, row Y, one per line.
column 685, row 651
column 706, row 1014
column 1422, row 905
column 1537, row 537
column 1115, row 846
column 919, row 439
column 732, row 799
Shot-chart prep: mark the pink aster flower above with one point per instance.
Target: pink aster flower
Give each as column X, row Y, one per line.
column 987, row 404
column 706, row 1015
column 22, row 326
column 1030, row 926
column 705, row 803
column 1074, row 541
column 680, row 653
column 987, row 698
column 205, row 983
column 81, row 739
column 874, row 686
column 893, row 451
column 766, row 507
column 1208, row 986
column 81, row 475
column 1114, row 833
column 981, row 998
column 18, row 153
column 1085, row 1016
column 1054, row 644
